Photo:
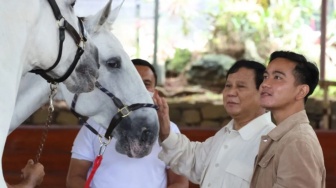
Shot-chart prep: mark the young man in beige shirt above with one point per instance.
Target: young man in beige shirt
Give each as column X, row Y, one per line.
column 290, row 155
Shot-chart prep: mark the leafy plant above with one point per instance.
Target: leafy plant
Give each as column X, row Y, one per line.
column 177, row 64
column 270, row 26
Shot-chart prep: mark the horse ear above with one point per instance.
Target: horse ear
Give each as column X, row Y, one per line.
column 104, row 13
column 114, row 14
column 94, row 22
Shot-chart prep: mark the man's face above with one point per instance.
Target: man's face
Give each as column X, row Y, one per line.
column 240, row 95
column 278, row 88
column 147, row 76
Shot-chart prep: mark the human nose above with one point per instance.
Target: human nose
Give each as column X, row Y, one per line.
column 232, row 91
column 265, row 84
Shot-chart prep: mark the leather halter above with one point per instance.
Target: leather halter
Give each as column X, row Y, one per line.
column 123, row 111
column 79, row 40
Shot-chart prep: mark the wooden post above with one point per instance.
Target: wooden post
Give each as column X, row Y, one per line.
column 325, row 86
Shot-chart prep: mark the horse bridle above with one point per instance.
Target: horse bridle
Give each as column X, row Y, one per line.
column 79, row 40
column 123, row 111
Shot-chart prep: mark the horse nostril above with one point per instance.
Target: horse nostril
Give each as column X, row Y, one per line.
column 145, row 135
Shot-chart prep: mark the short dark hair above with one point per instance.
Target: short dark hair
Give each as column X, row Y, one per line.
column 141, row 62
column 305, row 72
column 258, row 68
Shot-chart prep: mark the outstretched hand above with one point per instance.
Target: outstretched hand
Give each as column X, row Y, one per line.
column 163, row 115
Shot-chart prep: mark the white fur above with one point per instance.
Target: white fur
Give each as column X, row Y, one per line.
column 125, row 83
column 29, row 39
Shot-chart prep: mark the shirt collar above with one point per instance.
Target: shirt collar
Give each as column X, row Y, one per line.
column 229, row 127
column 288, row 124
column 253, row 127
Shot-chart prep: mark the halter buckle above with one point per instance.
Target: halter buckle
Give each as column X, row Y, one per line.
column 124, row 111
column 60, row 22
column 81, row 43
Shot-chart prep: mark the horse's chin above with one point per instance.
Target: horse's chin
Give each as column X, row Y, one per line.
column 133, row 150
column 143, row 153
column 80, row 85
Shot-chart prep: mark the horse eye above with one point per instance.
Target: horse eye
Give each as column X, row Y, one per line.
column 114, row 62
column 73, row 4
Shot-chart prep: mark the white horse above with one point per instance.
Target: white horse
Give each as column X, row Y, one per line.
column 31, row 39
column 135, row 134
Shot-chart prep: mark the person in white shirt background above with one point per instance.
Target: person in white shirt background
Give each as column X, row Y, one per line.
column 225, row 160
column 118, row 170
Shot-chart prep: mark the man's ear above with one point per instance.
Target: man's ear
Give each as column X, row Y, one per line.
column 303, row 91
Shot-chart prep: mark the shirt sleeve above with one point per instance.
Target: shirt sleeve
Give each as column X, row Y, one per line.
column 174, row 128
column 185, row 157
column 298, row 166
column 83, row 145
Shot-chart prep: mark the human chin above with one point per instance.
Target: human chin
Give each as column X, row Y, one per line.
column 266, row 103
column 232, row 111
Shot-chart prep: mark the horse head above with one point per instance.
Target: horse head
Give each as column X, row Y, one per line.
column 137, row 132
column 56, row 21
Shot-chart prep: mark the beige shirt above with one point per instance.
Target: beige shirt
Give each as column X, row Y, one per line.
column 290, row 156
column 225, row 160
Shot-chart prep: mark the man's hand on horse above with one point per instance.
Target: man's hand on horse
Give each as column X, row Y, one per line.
column 163, row 115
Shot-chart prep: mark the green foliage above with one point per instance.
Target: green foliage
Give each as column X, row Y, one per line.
column 181, row 58
column 319, row 92
column 270, row 26
column 253, row 29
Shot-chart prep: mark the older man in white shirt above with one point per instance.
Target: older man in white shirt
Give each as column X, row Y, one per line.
column 225, row 160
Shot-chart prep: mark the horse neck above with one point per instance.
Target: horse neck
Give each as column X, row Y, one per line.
column 18, row 21
column 33, row 93
column 22, row 26
column 14, row 30
column 94, row 104
column 47, row 41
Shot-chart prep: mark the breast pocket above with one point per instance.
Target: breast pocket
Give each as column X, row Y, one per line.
column 240, row 170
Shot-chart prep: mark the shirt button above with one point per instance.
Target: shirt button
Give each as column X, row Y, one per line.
column 216, row 165
column 225, row 146
column 209, row 185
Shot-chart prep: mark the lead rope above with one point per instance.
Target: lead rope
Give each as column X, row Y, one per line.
column 53, row 91
column 97, row 161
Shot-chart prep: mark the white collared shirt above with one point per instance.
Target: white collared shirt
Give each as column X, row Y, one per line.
column 225, row 160
column 117, row 170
